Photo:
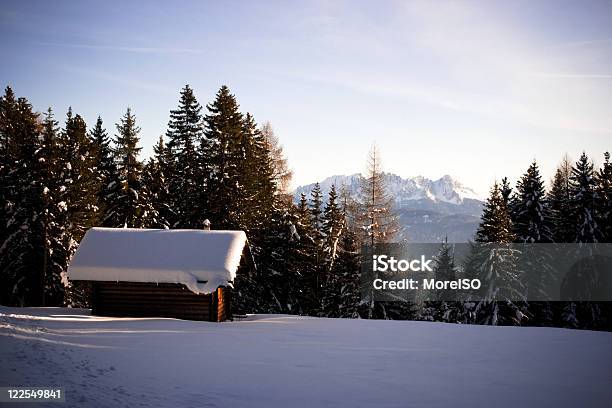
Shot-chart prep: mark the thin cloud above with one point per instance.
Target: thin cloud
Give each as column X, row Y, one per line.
column 577, row 76
column 138, row 50
column 118, row 79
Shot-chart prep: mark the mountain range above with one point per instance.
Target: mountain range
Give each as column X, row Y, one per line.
column 429, row 210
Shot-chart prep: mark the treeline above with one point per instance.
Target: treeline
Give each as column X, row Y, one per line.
column 214, row 166
column 577, row 208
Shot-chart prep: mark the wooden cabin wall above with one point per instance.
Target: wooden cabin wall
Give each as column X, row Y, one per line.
column 137, row 299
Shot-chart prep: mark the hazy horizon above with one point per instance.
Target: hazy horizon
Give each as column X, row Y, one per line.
column 475, row 90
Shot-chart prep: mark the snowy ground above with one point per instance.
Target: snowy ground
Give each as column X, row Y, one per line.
column 278, row 361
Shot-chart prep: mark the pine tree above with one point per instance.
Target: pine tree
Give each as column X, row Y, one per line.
column 56, row 234
column 583, row 198
column 221, row 154
column 128, row 205
column 21, row 248
column 306, row 257
column 185, row 134
column 156, row 184
column 495, row 225
column 583, row 194
column 559, row 198
column 342, row 291
column 532, row 222
column 82, row 181
column 333, row 229
column 333, row 221
column 531, row 219
column 104, row 162
column 313, row 280
column 445, row 308
column 377, row 218
column 281, row 172
column 506, row 192
column 603, row 202
column 257, row 197
column 316, row 208
column 497, row 265
column 8, row 159
column 303, row 211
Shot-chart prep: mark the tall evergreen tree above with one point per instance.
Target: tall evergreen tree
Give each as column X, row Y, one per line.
column 221, row 153
column 560, row 202
column 20, row 249
column 333, row 225
column 104, row 162
column 532, row 223
column 445, row 306
column 128, row 203
column 281, row 172
column 495, row 225
column 82, row 181
column 531, row 219
column 603, row 202
column 58, row 244
column 497, row 265
column 316, row 208
column 348, row 268
column 583, row 198
column 185, row 179
column 156, row 183
column 333, row 229
column 377, row 218
column 257, row 197
column 583, row 207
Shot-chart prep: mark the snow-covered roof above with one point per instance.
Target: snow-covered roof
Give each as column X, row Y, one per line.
column 201, row 260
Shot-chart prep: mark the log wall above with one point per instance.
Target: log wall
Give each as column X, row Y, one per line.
column 137, row 299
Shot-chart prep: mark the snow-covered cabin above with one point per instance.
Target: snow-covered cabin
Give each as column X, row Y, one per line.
column 184, row 274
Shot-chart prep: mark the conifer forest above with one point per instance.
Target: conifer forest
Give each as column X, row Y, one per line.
column 216, row 165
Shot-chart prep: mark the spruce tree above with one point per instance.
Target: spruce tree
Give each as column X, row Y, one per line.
column 495, row 225
column 105, row 164
column 532, row 223
column 333, row 229
column 532, row 218
column 333, row 221
column 221, row 153
column 156, row 183
column 128, row 202
column 21, row 248
column 446, row 309
column 348, row 268
column 603, row 204
column 257, row 198
column 82, row 180
column 583, row 209
column 497, row 265
column 185, row 134
column 559, row 198
column 315, row 281
column 58, row 244
column 583, row 198
column 282, row 174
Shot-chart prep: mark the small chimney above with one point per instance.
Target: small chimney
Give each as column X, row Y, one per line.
column 206, row 225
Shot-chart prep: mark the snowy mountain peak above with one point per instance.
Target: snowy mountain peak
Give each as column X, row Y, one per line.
column 405, row 190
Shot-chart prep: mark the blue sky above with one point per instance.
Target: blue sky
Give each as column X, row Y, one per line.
column 472, row 89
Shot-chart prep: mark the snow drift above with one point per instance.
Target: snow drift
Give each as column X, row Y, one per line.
column 290, row 361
